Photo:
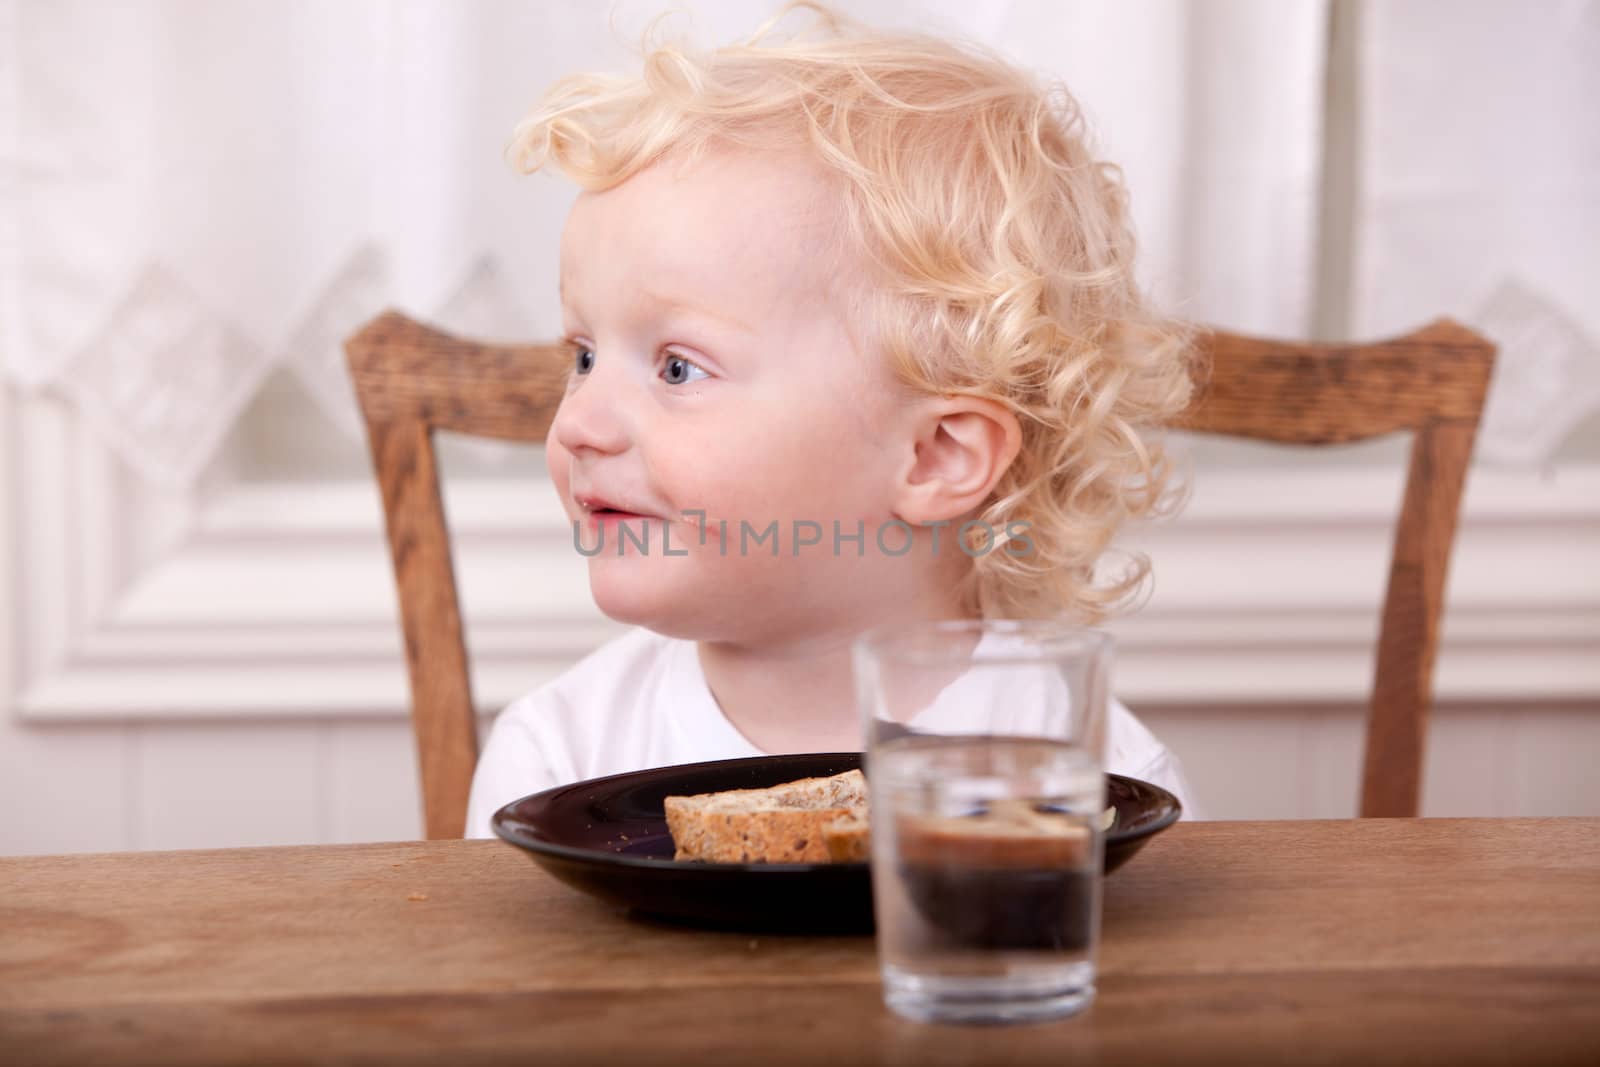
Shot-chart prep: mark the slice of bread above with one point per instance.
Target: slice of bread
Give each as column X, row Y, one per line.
column 782, row 824
column 849, row 837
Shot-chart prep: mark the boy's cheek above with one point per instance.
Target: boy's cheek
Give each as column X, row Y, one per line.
column 556, row 461
column 770, row 470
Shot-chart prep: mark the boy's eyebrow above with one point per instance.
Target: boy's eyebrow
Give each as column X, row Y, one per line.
column 673, row 304
column 676, row 304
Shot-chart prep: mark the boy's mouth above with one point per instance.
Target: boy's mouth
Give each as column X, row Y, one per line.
column 598, row 509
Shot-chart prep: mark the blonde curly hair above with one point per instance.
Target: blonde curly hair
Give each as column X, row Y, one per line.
column 1002, row 254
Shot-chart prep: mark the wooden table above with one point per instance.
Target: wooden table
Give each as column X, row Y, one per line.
column 1445, row 941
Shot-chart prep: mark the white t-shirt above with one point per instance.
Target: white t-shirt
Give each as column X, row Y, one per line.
column 642, row 701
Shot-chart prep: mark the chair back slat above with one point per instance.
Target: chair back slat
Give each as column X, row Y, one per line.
column 1311, row 394
column 1402, row 696
column 403, row 369
column 430, row 618
column 1432, row 383
column 411, row 381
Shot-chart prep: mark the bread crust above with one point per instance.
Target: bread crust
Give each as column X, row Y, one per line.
column 782, row 824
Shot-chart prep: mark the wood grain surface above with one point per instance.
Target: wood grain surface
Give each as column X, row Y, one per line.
column 1374, row 941
column 1301, row 393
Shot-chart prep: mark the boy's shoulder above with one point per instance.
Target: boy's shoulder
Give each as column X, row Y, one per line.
column 597, row 717
column 600, row 715
column 633, row 645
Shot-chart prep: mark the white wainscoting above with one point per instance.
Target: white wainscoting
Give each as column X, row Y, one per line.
column 224, row 668
column 192, row 784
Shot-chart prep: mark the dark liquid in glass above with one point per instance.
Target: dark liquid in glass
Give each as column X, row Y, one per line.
column 1022, row 908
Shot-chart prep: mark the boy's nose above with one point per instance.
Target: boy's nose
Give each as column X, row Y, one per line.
column 592, row 418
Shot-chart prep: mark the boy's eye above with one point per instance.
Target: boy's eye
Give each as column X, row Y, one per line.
column 583, row 358
column 678, row 370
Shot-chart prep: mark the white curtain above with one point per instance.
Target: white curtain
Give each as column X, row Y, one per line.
column 1479, row 197
column 198, row 193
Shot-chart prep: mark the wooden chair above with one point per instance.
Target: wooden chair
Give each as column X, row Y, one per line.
column 1431, row 382
column 412, row 380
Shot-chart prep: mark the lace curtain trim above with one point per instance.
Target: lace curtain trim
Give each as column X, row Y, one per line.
column 165, row 377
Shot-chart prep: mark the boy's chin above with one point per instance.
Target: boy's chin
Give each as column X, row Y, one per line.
column 664, row 608
column 636, row 600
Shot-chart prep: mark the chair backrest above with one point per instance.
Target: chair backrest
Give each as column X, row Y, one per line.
column 412, row 379
column 1431, row 382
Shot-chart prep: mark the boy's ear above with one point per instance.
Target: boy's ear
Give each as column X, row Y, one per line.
column 962, row 446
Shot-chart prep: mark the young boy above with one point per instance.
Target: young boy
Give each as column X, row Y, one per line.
column 855, row 341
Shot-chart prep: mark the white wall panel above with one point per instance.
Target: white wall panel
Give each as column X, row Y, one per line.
column 373, row 792
column 1243, row 763
column 88, row 787
column 200, row 785
column 1331, row 741
column 1553, row 762
column 63, row 790
column 1465, row 772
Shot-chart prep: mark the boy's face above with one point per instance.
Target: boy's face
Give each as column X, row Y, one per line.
column 715, row 371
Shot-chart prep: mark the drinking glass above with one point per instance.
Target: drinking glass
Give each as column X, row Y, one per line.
column 984, row 755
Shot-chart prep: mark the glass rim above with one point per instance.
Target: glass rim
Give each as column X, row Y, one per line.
column 923, row 642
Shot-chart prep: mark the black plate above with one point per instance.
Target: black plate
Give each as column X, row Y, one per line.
column 608, row 837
